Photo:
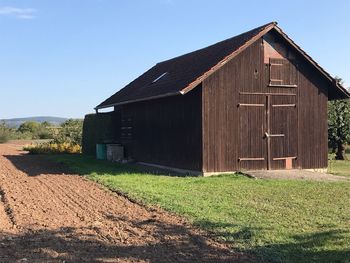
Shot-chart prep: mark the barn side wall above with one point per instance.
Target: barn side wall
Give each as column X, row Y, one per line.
column 312, row 116
column 222, row 131
column 165, row 131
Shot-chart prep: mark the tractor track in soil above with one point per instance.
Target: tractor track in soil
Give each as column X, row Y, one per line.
column 47, row 215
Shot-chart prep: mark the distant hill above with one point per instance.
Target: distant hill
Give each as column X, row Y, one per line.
column 15, row 123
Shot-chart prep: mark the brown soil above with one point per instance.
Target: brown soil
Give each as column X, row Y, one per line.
column 47, row 215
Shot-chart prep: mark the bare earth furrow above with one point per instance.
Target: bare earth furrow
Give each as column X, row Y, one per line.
column 61, row 217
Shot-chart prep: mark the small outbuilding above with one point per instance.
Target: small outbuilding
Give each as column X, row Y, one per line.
column 254, row 101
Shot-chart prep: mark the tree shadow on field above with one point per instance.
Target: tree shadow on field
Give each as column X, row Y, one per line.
column 323, row 246
column 70, row 245
column 34, row 165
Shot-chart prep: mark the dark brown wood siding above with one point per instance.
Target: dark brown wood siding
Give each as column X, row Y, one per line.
column 312, row 117
column 165, row 131
column 312, row 97
column 233, row 135
column 221, row 124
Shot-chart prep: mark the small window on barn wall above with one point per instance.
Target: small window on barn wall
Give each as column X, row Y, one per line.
column 280, row 62
column 282, row 73
column 126, row 132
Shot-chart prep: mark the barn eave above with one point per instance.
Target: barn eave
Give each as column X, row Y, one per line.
column 138, row 100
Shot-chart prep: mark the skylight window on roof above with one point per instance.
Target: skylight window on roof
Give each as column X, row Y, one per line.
column 154, row 81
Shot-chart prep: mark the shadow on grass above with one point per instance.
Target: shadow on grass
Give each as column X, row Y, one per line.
column 309, row 248
column 34, row 165
column 326, row 246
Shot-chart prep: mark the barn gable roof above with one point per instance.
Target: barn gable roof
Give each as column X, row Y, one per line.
column 182, row 74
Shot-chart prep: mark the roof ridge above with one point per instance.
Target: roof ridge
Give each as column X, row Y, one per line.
column 260, row 28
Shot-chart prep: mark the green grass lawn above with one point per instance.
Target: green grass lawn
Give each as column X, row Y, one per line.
column 339, row 167
column 276, row 220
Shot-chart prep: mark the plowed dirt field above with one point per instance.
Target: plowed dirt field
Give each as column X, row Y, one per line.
column 48, row 215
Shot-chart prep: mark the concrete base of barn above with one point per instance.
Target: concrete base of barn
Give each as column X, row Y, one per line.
column 294, row 174
column 182, row 172
column 169, row 170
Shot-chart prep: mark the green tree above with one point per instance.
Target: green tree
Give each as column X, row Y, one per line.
column 339, row 126
column 4, row 132
column 36, row 130
column 31, row 127
column 44, row 131
column 70, row 132
column 45, row 124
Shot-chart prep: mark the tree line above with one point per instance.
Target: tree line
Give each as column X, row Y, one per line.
column 70, row 131
column 339, row 126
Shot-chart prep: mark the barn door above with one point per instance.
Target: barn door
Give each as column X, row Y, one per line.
column 282, row 122
column 282, row 132
column 268, row 131
column 252, row 127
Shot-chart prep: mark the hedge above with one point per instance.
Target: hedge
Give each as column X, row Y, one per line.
column 98, row 128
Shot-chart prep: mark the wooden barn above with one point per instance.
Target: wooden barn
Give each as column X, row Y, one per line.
column 254, row 101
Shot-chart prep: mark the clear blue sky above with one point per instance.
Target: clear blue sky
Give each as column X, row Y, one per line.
column 63, row 57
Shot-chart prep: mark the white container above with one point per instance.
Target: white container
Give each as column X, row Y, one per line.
column 115, row 152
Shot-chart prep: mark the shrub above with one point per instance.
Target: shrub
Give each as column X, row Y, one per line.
column 4, row 133
column 70, row 132
column 4, row 136
column 53, row 148
column 98, row 128
column 30, row 127
column 66, row 138
column 44, row 134
column 35, row 130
